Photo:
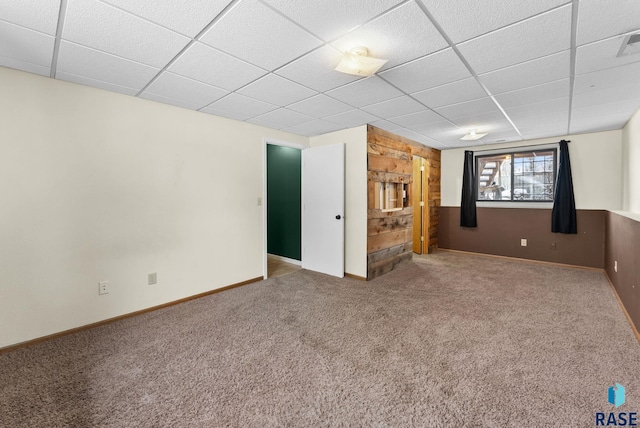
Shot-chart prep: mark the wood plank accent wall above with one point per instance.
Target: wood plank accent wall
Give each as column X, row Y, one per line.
column 390, row 234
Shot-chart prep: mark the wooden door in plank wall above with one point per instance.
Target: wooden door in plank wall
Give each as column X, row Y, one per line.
column 420, row 204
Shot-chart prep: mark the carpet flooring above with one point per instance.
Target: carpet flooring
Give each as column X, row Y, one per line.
column 448, row 340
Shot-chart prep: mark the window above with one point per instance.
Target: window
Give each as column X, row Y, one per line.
column 517, row 176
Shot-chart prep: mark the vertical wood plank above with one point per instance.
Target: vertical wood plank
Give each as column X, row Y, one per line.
column 417, row 209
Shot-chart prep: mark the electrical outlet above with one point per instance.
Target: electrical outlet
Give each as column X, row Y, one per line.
column 615, row 266
column 523, row 242
column 553, row 245
column 152, row 278
column 103, row 287
column 259, row 201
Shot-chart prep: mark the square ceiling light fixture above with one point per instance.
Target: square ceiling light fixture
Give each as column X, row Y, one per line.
column 356, row 62
column 473, row 136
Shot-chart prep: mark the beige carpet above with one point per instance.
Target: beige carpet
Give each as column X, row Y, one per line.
column 450, row 340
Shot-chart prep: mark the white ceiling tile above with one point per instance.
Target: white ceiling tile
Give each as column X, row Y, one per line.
column 539, row 112
column 462, row 20
column 316, row 70
column 105, row 28
column 607, row 95
column 222, row 113
column 24, row 66
column 276, row 90
column 39, row 15
column 545, row 123
column 483, row 122
column 268, row 124
column 208, row 65
column 319, row 106
column 435, row 128
column 450, row 136
column 186, row 18
column 101, row 66
column 283, row 117
column 602, row 117
column 428, row 72
column 423, row 117
column 400, row 106
column 531, row 73
column 552, row 132
column 95, row 83
column 598, row 19
column 533, row 38
column 255, row 33
column 239, row 107
column 467, row 108
column 435, row 144
column 386, row 125
column 195, row 94
column 502, row 137
column 534, row 94
column 166, row 100
column 602, row 55
column 25, row 45
column 365, row 92
column 416, row 137
column 540, row 119
column 609, row 78
column 352, row 118
column 399, row 36
column 451, row 93
column 332, row 19
column 315, row 127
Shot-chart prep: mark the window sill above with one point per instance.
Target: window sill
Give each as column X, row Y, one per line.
column 512, row 204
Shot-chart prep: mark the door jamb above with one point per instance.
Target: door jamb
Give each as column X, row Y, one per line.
column 273, row 142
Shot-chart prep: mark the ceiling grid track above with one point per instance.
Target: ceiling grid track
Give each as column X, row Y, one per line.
column 453, row 66
column 56, row 45
column 191, row 43
column 325, row 43
column 572, row 72
column 437, row 25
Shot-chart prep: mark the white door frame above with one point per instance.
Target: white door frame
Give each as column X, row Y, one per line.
column 273, row 142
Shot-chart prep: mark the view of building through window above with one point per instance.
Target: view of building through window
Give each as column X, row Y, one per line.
column 516, row 176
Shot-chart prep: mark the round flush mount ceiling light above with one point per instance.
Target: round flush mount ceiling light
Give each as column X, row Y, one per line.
column 473, row 136
column 357, row 62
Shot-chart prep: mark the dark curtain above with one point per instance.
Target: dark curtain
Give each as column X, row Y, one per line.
column 563, row 216
column 468, row 204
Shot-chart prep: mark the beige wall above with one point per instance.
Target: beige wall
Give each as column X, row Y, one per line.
column 630, row 164
column 595, row 165
column 100, row 186
column 355, row 140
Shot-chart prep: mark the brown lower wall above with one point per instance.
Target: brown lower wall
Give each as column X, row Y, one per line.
column 500, row 229
column 622, row 244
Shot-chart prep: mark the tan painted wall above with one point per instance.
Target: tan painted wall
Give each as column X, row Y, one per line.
column 101, row 186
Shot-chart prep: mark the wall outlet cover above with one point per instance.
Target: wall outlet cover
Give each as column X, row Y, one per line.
column 103, row 287
column 153, row 278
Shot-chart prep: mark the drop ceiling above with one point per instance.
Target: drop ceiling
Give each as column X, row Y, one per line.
column 513, row 69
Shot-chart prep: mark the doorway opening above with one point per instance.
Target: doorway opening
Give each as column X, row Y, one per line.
column 282, row 208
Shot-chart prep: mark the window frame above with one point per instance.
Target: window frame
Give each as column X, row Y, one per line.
column 512, row 152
